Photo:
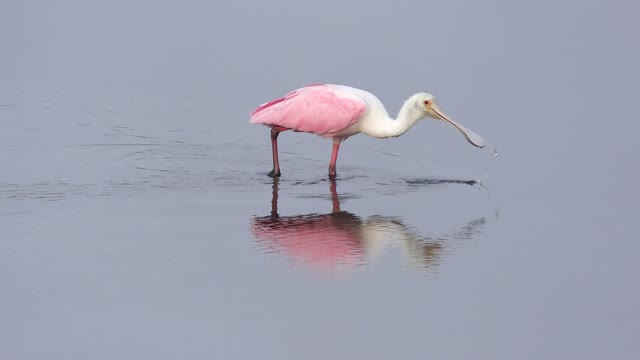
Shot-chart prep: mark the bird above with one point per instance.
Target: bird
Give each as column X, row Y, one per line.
column 339, row 112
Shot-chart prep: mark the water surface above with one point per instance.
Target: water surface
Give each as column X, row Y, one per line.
column 137, row 219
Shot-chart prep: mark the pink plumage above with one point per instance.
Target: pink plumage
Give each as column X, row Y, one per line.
column 338, row 112
column 320, row 109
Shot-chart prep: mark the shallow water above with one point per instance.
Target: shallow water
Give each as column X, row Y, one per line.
column 137, row 220
column 120, row 236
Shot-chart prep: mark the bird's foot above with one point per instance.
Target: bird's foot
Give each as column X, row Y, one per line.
column 274, row 174
column 333, row 176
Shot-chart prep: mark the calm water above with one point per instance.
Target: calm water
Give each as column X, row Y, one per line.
column 137, row 220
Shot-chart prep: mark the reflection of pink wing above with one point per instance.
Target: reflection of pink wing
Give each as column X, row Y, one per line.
column 319, row 240
column 320, row 109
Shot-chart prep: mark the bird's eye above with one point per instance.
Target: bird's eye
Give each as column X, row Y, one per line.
column 427, row 102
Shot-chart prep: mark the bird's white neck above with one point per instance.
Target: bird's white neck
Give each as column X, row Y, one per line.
column 380, row 125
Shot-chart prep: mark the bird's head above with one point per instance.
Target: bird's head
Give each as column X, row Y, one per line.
column 428, row 105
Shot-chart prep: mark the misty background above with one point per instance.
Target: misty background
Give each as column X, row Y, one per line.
column 130, row 176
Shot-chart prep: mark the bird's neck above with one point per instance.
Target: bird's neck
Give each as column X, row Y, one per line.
column 383, row 126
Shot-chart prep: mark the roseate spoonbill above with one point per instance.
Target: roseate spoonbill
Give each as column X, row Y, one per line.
column 341, row 240
column 338, row 112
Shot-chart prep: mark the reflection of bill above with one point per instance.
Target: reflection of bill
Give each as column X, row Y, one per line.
column 341, row 240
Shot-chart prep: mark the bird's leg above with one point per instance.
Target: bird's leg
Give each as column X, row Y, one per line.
column 334, row 158
column 275, row 131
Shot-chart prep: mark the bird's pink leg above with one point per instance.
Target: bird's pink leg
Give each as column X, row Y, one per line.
column 334, row 158
column 275, row 131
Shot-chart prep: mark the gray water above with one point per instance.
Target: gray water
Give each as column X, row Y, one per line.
column 137, row 220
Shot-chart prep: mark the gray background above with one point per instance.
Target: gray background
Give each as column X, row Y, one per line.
column 130, row 179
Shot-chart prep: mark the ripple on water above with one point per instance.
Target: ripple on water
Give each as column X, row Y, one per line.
column 110, row 147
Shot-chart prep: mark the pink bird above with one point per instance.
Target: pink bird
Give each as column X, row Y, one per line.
column 339, row 111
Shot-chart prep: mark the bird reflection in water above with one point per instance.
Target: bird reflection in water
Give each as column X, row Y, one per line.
column 340, row 240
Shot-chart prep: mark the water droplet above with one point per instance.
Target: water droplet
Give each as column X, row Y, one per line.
column 495, row 152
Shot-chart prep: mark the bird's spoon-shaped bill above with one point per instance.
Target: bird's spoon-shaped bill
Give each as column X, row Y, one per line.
column 473, row 138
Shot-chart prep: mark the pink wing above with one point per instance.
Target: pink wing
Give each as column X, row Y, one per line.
column 320, row 109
